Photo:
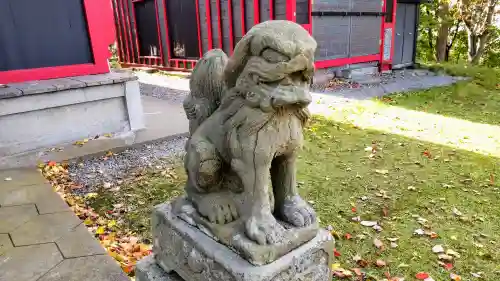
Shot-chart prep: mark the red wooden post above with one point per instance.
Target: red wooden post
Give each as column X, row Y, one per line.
column 271, row 9
column 209, row 25
column 256, row 15
column 126, row 40
column 166, row 31
column 291, row 10
column 219, row 23
column 243, row 29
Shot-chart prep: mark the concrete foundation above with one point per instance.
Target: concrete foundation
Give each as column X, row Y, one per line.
column 183, row 252
column 40, row 114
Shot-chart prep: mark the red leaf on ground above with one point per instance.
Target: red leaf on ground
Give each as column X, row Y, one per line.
column 354, row 210
column 427, row 153
column 448, row 266
column 385, row 211
column 336, row 253
column 422, row 275
column 348, row 236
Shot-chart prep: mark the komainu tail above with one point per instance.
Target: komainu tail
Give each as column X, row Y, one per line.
column 207, row 87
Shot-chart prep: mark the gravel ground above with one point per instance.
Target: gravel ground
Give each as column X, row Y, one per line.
column 162, row 92
column 109, row 171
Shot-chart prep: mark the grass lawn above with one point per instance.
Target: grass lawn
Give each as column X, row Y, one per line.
column 423, row 187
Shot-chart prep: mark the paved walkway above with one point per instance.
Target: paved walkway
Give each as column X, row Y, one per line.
column 41, row 239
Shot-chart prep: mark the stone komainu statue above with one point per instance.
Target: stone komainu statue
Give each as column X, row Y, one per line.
column 246, row 118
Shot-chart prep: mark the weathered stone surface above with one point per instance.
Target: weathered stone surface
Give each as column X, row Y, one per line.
column 233, row 234
column 78, row 242
column 193, row 255
column 5, row 243
column 20, row 177
column 36, row 230
column 28, row 263
column 42, row 195
column 247, row 114
column 105, row 79
column 147, row 270
column 98, row 268
column 9, row 92
column 15, row 216
column 35, row 87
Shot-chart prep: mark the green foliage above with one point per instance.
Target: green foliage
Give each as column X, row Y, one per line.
column 457, row 39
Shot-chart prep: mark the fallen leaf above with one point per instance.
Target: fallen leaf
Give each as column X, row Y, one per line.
column 419, row 231
column 380, row 263
column 369, row 223
column 456, row 212
column 348, row 236
column 354, row 210
column 452, row 253
column 422, row 275
column 476, row 274
column 378, row 244
column 336, row 253
column 385, row 211
column 448, row 266
column 445, row 257
column 438, row 249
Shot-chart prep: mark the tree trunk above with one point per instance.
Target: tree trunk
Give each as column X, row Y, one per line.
column 443, row 31
column 476, row 48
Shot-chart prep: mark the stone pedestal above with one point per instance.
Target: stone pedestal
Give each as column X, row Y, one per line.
column 184, row 252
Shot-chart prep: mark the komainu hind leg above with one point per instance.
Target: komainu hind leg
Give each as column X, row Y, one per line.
column 204, row 169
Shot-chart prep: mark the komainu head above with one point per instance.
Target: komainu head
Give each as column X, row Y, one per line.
column 272, row 66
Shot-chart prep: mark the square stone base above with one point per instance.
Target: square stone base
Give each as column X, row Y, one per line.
column 182, row 250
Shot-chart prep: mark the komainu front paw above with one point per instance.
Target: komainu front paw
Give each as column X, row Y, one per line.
column 264, row 229
column 297, row 212
column 218, row 208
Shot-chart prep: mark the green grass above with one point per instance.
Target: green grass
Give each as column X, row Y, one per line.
column 477, row 100
column 405, row 180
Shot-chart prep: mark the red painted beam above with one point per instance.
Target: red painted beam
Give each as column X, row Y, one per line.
column 345, row 61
